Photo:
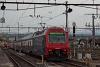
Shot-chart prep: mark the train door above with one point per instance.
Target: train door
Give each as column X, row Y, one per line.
column 19, row 46
column 32, row 46
column 43, row 45
column 29, row 45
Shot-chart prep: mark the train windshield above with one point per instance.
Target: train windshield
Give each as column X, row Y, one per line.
column 57, row 37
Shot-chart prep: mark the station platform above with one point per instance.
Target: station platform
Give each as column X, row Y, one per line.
column 4, row 60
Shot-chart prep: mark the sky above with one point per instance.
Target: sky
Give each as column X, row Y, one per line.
column 52, row 16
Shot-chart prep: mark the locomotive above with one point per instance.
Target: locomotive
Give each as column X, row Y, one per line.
column 52, row 43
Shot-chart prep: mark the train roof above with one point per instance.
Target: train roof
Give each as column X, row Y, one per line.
column 39, row 33
column 27, row 37
column 44, row 31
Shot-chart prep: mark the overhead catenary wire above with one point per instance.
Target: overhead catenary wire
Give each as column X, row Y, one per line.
column 26, row 8
column 43, row 11
column 29, row 21
column 33, row 8
column 84, row 1
column 54, row 17
column 22, row 14
column 50, row 15
column 86, row 7
column 57, row 16
column 13, row 17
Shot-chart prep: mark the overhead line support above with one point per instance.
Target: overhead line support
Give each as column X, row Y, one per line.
column 49, row 3
column 33, row 3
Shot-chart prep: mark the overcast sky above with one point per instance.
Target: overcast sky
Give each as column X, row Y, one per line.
column 55, row 12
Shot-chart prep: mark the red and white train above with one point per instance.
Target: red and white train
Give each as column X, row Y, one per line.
column 51, row 42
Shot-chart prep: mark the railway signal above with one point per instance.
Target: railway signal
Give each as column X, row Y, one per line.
column 73, row 24
column 69, row 10
column 3, row 7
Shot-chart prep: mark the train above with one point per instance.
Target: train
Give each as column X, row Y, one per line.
column 52, row 43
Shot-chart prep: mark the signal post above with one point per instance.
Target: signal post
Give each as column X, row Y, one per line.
column 74, row 24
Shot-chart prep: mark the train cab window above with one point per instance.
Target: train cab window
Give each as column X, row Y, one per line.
column 56, row 37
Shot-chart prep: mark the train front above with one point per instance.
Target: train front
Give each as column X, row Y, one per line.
column 56, row 44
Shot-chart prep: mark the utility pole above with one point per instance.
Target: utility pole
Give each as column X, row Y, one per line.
column 34, row 10
column 93, row 1
column 68, row 10
column 18, row 30
column 93, row 29
column 93, row 32
column 66, row 29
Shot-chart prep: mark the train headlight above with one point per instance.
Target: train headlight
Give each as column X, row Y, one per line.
column 64, row 50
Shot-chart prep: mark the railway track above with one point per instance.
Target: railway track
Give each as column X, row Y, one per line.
column 96, row 56
column 75, row 63
column 34, row 61
column 27, row 61
column 68, row 63
column 21, row 62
